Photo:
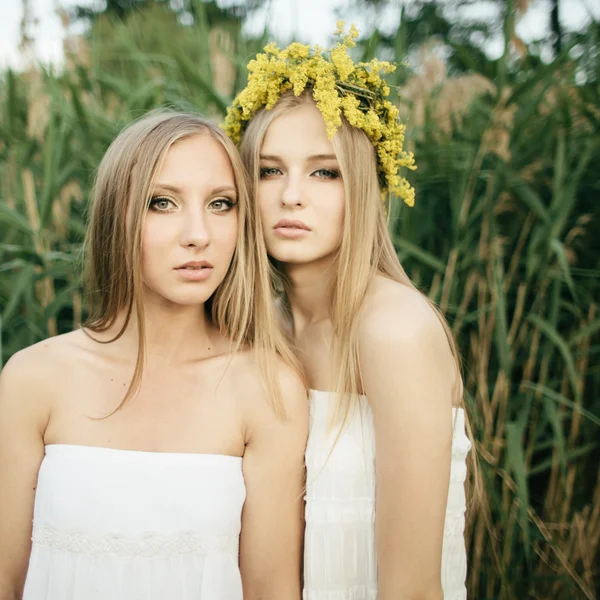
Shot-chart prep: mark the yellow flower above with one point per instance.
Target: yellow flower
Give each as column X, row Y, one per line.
column 343, row 64
column 352, row 113
column 296, row 51
column 339, row 86
column 299, row 79
column 352, row 35
column 271, row 48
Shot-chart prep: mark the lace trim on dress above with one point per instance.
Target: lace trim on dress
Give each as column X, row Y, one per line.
column 354, row 510
column 357, row 592
column 149, row 545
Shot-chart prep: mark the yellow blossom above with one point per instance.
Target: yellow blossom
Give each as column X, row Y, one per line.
column 339, row 86
column 343, row 64
column 296, row 51
column 271, row 48
column 352, row 35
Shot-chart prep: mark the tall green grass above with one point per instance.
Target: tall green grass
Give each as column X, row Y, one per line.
column 504, row 237
column 500, row 239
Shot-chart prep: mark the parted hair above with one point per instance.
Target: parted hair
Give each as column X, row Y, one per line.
column 240, row 307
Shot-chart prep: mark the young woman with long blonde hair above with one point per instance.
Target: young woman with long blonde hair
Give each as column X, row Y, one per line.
column 143, row 444
column 386, row 455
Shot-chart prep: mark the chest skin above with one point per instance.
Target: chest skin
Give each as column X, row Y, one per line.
column 183, row 408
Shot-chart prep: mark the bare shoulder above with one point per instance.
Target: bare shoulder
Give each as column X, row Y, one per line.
column 400, row 315
column 31, row 378
column 293, row 389
column 37, row 369
column 403, row 344
column 249, row 379
column 42, row 359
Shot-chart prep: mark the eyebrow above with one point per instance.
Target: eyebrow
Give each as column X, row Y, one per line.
column 310, row 158
column 176, row 190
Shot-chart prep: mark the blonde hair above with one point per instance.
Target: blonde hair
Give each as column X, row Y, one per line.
column 240, row 307
column 366, row 248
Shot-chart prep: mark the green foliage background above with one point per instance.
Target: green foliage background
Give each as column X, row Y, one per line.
column 505, row 237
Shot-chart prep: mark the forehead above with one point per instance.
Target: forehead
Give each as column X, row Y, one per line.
column 196, row 157
column 298, row 131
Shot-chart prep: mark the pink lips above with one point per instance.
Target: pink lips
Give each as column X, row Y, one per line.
column 291, row 229
column 195, row 270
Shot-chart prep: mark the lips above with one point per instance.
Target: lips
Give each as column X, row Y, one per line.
column 195, row 265
column 195, row 270
column 291, row 229
column 292, row 224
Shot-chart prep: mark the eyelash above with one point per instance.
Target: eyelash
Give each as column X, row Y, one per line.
column 328, row 173
column 229, row 204
column 264, row 171
column 155, row 200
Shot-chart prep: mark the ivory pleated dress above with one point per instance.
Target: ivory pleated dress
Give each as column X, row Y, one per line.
column 340, row 562
column 127, row 525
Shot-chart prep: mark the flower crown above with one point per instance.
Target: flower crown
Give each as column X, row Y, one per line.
column 339, row 85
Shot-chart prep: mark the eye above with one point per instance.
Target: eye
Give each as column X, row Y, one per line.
column 327, row 174
column 266, row 172
column 161, row 204
column 221, row 205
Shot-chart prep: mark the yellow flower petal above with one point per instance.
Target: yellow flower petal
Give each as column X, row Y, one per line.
column 340, row 86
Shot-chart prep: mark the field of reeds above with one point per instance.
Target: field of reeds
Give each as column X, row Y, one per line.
column 505, row 237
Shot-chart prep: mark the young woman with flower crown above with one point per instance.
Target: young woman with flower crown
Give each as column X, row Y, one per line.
column 385, row 498
column 143, row 444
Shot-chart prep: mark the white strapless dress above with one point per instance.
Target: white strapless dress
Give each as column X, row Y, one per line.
column 340, row 562
column 127, row 525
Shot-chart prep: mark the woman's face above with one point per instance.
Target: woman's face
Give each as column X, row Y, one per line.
column 301, row 193
column 191, row 227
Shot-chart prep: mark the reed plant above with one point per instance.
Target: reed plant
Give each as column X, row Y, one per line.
column 501, row 239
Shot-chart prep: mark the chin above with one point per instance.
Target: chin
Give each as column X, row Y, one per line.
column 295, row 258
column 289, row 253
column 297, row 255
column 191, row 301
column 173, row 297
column 191, row 297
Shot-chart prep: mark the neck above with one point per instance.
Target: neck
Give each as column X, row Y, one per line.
column 309, row 293
column 173, row 334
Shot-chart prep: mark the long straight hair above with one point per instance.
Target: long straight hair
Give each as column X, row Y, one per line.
column 240, row 307
column 366, row 250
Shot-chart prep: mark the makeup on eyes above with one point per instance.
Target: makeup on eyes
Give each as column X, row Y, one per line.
column 228, row 202
column 328, row 171
column 154, row 202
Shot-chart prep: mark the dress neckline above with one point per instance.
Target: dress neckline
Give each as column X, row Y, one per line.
column 121, row 452
column 315, row 392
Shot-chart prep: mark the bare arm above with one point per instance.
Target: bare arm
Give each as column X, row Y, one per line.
column 408, row 376
column 22, row 423
column 273, row 516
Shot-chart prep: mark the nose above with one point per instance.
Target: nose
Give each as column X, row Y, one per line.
column 195, row 232
column 292, row 193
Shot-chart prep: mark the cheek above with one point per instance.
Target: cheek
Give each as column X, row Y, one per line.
column 225, row 231
column 155, row 244
column 341, row 206
column 269, row 192
column 154, row 235
column 264, row 202
column 336, row 213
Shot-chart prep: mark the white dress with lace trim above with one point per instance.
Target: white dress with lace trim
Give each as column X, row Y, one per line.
column 340, row 562
column 127, row 525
